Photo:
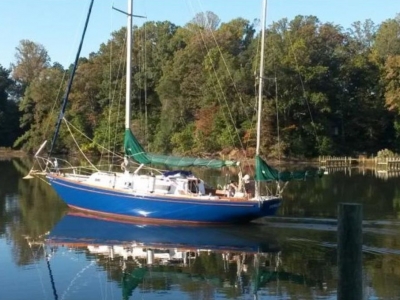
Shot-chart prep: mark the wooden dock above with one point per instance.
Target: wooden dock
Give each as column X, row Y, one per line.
column 378, row 163
column 387, row 163
column 336, row 161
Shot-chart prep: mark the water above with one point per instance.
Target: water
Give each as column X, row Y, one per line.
column 46, row 254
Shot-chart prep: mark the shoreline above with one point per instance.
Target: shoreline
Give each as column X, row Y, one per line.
column 8, row 153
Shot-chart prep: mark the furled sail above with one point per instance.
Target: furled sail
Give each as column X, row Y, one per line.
column 264, row 172
column 135, row 150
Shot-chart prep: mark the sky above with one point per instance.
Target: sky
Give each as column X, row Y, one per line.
column 58, row 24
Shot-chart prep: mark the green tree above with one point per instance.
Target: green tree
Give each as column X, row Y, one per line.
column 44, row 95
column 31, row 59
column 9, row 114
column 386, row 51
column 326, row 90
column 299, row 68
column 387, row 42
column 365, row 121
column 206, row 20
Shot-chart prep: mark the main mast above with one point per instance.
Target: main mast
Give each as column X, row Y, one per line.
column 260, row 88
column 128, row 66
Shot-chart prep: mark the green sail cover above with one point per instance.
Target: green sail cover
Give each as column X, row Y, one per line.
column 264, row 172
column 134, row 150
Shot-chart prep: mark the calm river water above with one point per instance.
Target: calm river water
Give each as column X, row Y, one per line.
column 49, row 254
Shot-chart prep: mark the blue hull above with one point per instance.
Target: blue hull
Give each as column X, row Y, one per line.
column 115, row 204
column 75, row 229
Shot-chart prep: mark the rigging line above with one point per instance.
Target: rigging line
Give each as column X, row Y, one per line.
column 227, row 106
column 69, row 125
column 113, row 92
column 44, row 180
column 56, row 100
column 65, row 72
column 225, row 64
column 215, row 89
column 97, row 144
column 304, row 90
column 256, row 82
column 79, row 148
column 77, row 277
column 110, row 79
column 222, row 93
column 121, row 70
column 64, row 105
column 35, row 257
column 102, row 283
column 145, row 88
column 141, row 70
column 277, row 120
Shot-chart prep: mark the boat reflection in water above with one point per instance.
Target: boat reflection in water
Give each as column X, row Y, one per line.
column 170, row 259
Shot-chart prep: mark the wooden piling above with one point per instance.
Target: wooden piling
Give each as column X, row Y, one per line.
column 349, row 251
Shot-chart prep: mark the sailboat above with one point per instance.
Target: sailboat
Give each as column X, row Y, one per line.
column 168, row 196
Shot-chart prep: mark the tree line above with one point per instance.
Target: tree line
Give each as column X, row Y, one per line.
column 328, row 90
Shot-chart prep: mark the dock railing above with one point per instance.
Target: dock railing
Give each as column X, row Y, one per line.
column 336, row 161
column 387, row 163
